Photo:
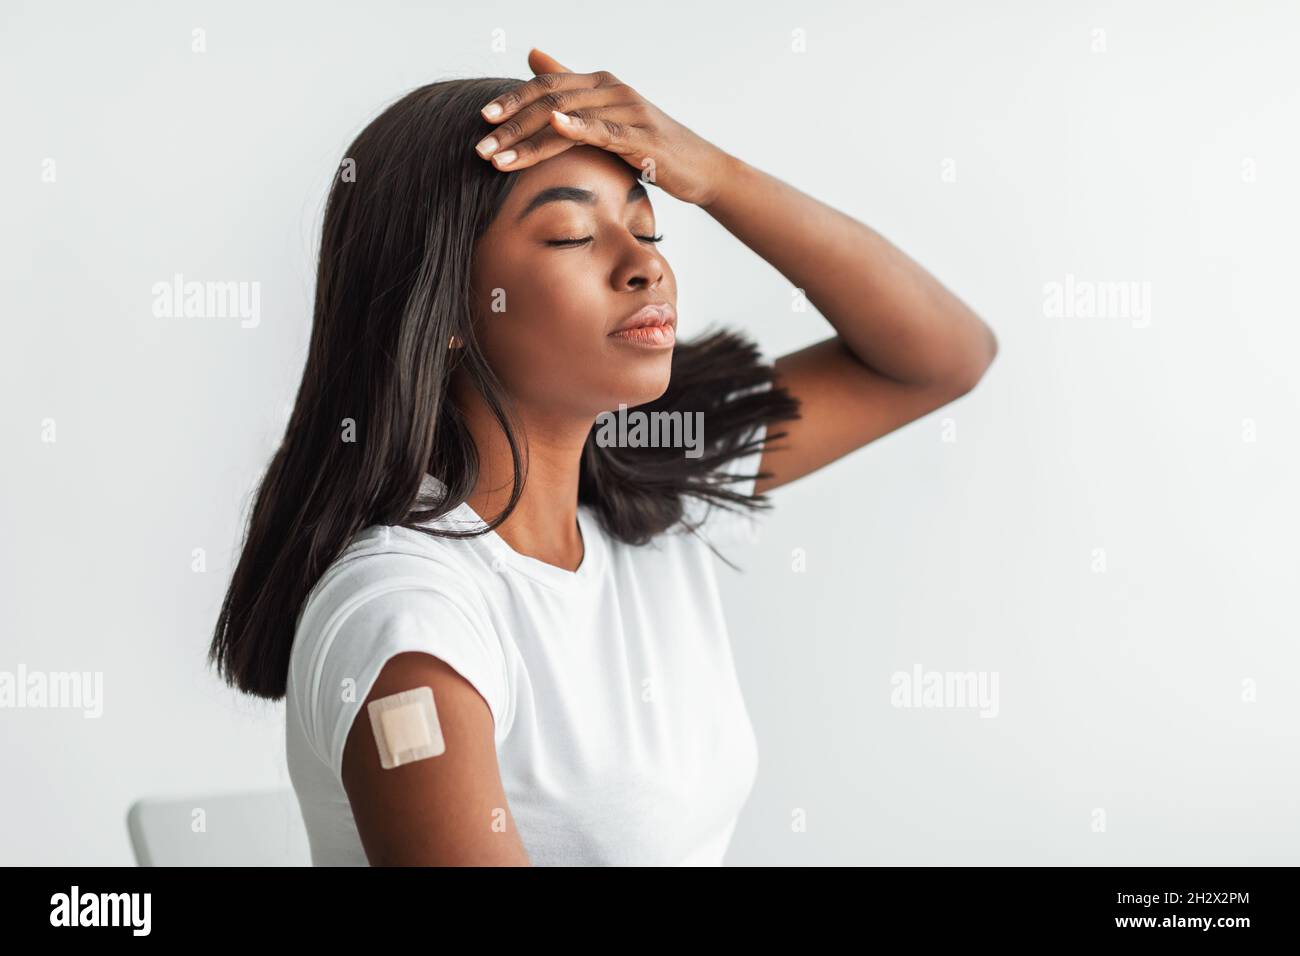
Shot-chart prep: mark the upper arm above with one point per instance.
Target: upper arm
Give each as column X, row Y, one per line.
column 447, row 810
column 843, row 405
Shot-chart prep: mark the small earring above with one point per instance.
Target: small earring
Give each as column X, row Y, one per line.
column 454, row 342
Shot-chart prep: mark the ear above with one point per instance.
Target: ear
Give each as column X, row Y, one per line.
column 539, row 63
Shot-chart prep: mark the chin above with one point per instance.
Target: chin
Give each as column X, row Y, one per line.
column 642, row 385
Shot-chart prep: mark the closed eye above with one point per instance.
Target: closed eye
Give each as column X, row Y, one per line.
column 583, row 240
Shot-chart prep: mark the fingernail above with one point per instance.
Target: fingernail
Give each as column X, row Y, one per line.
column 487, row 147
column 491, row 111
column 504, row 159
column 562, row 117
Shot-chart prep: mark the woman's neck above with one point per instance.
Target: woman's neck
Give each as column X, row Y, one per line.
column 544, row 522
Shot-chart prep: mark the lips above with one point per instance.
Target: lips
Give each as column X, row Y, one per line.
column 657, row 314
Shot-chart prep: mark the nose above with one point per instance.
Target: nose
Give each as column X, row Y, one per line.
column 642, row 269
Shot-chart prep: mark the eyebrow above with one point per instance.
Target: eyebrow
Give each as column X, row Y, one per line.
column 574, row 194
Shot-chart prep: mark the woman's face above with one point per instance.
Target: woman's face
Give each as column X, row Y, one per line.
column 545, row 310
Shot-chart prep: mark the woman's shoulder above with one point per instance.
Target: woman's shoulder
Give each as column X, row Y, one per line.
column 383, row 559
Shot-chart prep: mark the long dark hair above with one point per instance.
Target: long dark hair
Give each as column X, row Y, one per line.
column 392, row 287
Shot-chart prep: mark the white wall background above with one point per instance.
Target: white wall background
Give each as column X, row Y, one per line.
column 1160, row 150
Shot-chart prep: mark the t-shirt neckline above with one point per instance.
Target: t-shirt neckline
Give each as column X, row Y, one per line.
column 463, row 517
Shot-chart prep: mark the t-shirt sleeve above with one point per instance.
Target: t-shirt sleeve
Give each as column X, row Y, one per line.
column 362, row 636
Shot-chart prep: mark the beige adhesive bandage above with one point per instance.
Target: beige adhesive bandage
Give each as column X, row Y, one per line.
column 406, row 727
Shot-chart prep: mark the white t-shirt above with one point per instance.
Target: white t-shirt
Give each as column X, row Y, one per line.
column 622, row 737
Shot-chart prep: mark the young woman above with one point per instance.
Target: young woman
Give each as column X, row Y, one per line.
column 446, row 513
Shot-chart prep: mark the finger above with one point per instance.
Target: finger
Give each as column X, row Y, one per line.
column 612, row 129
column 540, row 62
column 539, row 146
column 536, row 115
column 513, row 100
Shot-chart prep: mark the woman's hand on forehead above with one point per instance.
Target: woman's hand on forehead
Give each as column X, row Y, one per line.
column 558, row 108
